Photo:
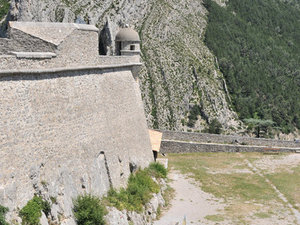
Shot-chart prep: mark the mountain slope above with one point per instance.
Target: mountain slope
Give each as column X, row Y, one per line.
column 181, row 85
column 258, row 48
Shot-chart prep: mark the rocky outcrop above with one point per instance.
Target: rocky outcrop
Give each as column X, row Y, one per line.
column 179, row 71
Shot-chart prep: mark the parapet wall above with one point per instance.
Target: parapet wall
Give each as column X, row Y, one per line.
column 226, row 139
column 66, row 132
column 182, row 142
column 185, row 147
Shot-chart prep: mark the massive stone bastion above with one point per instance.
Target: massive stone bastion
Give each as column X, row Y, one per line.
column 72, row 122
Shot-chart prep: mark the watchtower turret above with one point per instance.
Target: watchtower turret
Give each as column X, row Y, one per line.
column 127, row 42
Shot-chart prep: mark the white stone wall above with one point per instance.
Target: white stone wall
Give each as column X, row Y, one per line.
column 60, row 132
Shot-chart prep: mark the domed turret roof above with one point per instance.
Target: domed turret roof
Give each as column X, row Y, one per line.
column 127, row 34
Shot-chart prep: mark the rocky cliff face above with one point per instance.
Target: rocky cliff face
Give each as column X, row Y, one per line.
column 181, row 85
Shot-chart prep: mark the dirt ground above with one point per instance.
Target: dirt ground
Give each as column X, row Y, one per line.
column 191, row 205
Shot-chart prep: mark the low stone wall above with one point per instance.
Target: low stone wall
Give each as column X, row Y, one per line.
column 5, row 44
column 185, row 147
column 226, row 139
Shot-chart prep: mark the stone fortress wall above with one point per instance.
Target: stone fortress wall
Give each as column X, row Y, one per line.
column 54, row 45
column 179, row 142
column 72, row 122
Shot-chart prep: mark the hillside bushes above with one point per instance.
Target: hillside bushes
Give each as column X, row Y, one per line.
column 88, row 210
column 139, row 189
column 32, row 211
column 4, row 7
column 3, row 211
column 257, row 44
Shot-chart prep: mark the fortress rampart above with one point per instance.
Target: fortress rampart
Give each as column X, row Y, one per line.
column 72, row 122
column 180, row 142
column 226, row 139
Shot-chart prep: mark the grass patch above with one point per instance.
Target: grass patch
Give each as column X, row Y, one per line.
column 262, row 215
column 157, row 170
column 245, row 194
column 139, row 190
column 288, row 184
column 236, row 185
column 215, row 218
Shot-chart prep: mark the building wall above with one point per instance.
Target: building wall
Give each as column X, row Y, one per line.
column 69, row 132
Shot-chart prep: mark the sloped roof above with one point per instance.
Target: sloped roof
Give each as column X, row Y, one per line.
column 54, row 33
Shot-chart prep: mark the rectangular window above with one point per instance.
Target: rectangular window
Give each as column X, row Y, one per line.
column 132, row 47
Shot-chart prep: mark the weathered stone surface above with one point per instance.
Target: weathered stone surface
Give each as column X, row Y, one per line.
column 116, row 217
column 69, row 133
column 44, row 220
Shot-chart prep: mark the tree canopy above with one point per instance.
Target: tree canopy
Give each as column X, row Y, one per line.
column 257, row 44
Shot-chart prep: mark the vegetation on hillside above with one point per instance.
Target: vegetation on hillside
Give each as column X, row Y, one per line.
column 88, row 210
column 257, row 44
column 4, row 7
column 32, row 211
column 139, row 190
column 3, row 211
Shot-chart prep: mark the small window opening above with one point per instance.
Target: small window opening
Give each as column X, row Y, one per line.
column 132, row 47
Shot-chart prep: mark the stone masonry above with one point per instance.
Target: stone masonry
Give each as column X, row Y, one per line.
column 72, row 122
column 182, row 142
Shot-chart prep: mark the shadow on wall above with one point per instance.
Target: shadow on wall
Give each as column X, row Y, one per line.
column 105, row 41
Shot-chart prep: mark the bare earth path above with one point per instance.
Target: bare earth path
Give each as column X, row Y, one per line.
column 190, row 202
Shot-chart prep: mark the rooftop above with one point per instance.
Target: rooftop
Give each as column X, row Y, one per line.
column 54, row 33
column 127, row 34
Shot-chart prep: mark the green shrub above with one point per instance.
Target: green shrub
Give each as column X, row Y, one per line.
column 4, row 8
column 215, row 127
column 3, row 211
column 157, row 170
column 138, row 192
column 32, row 211
column 88, row 210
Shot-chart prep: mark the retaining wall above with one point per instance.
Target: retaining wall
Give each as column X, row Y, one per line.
column 185, row 147
column 226, row 139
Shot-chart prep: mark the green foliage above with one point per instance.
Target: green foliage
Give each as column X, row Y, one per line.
column 215, row 127
column 259, row 125
column 193, row 116
column 4, row 7
column 3, row 211
column 157, row 170
column 139, row 190
column 32, row 211
column 257, row 44
column 88, row 210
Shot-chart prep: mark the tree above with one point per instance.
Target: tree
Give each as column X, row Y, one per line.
column 215, row 127
column 259, row 125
